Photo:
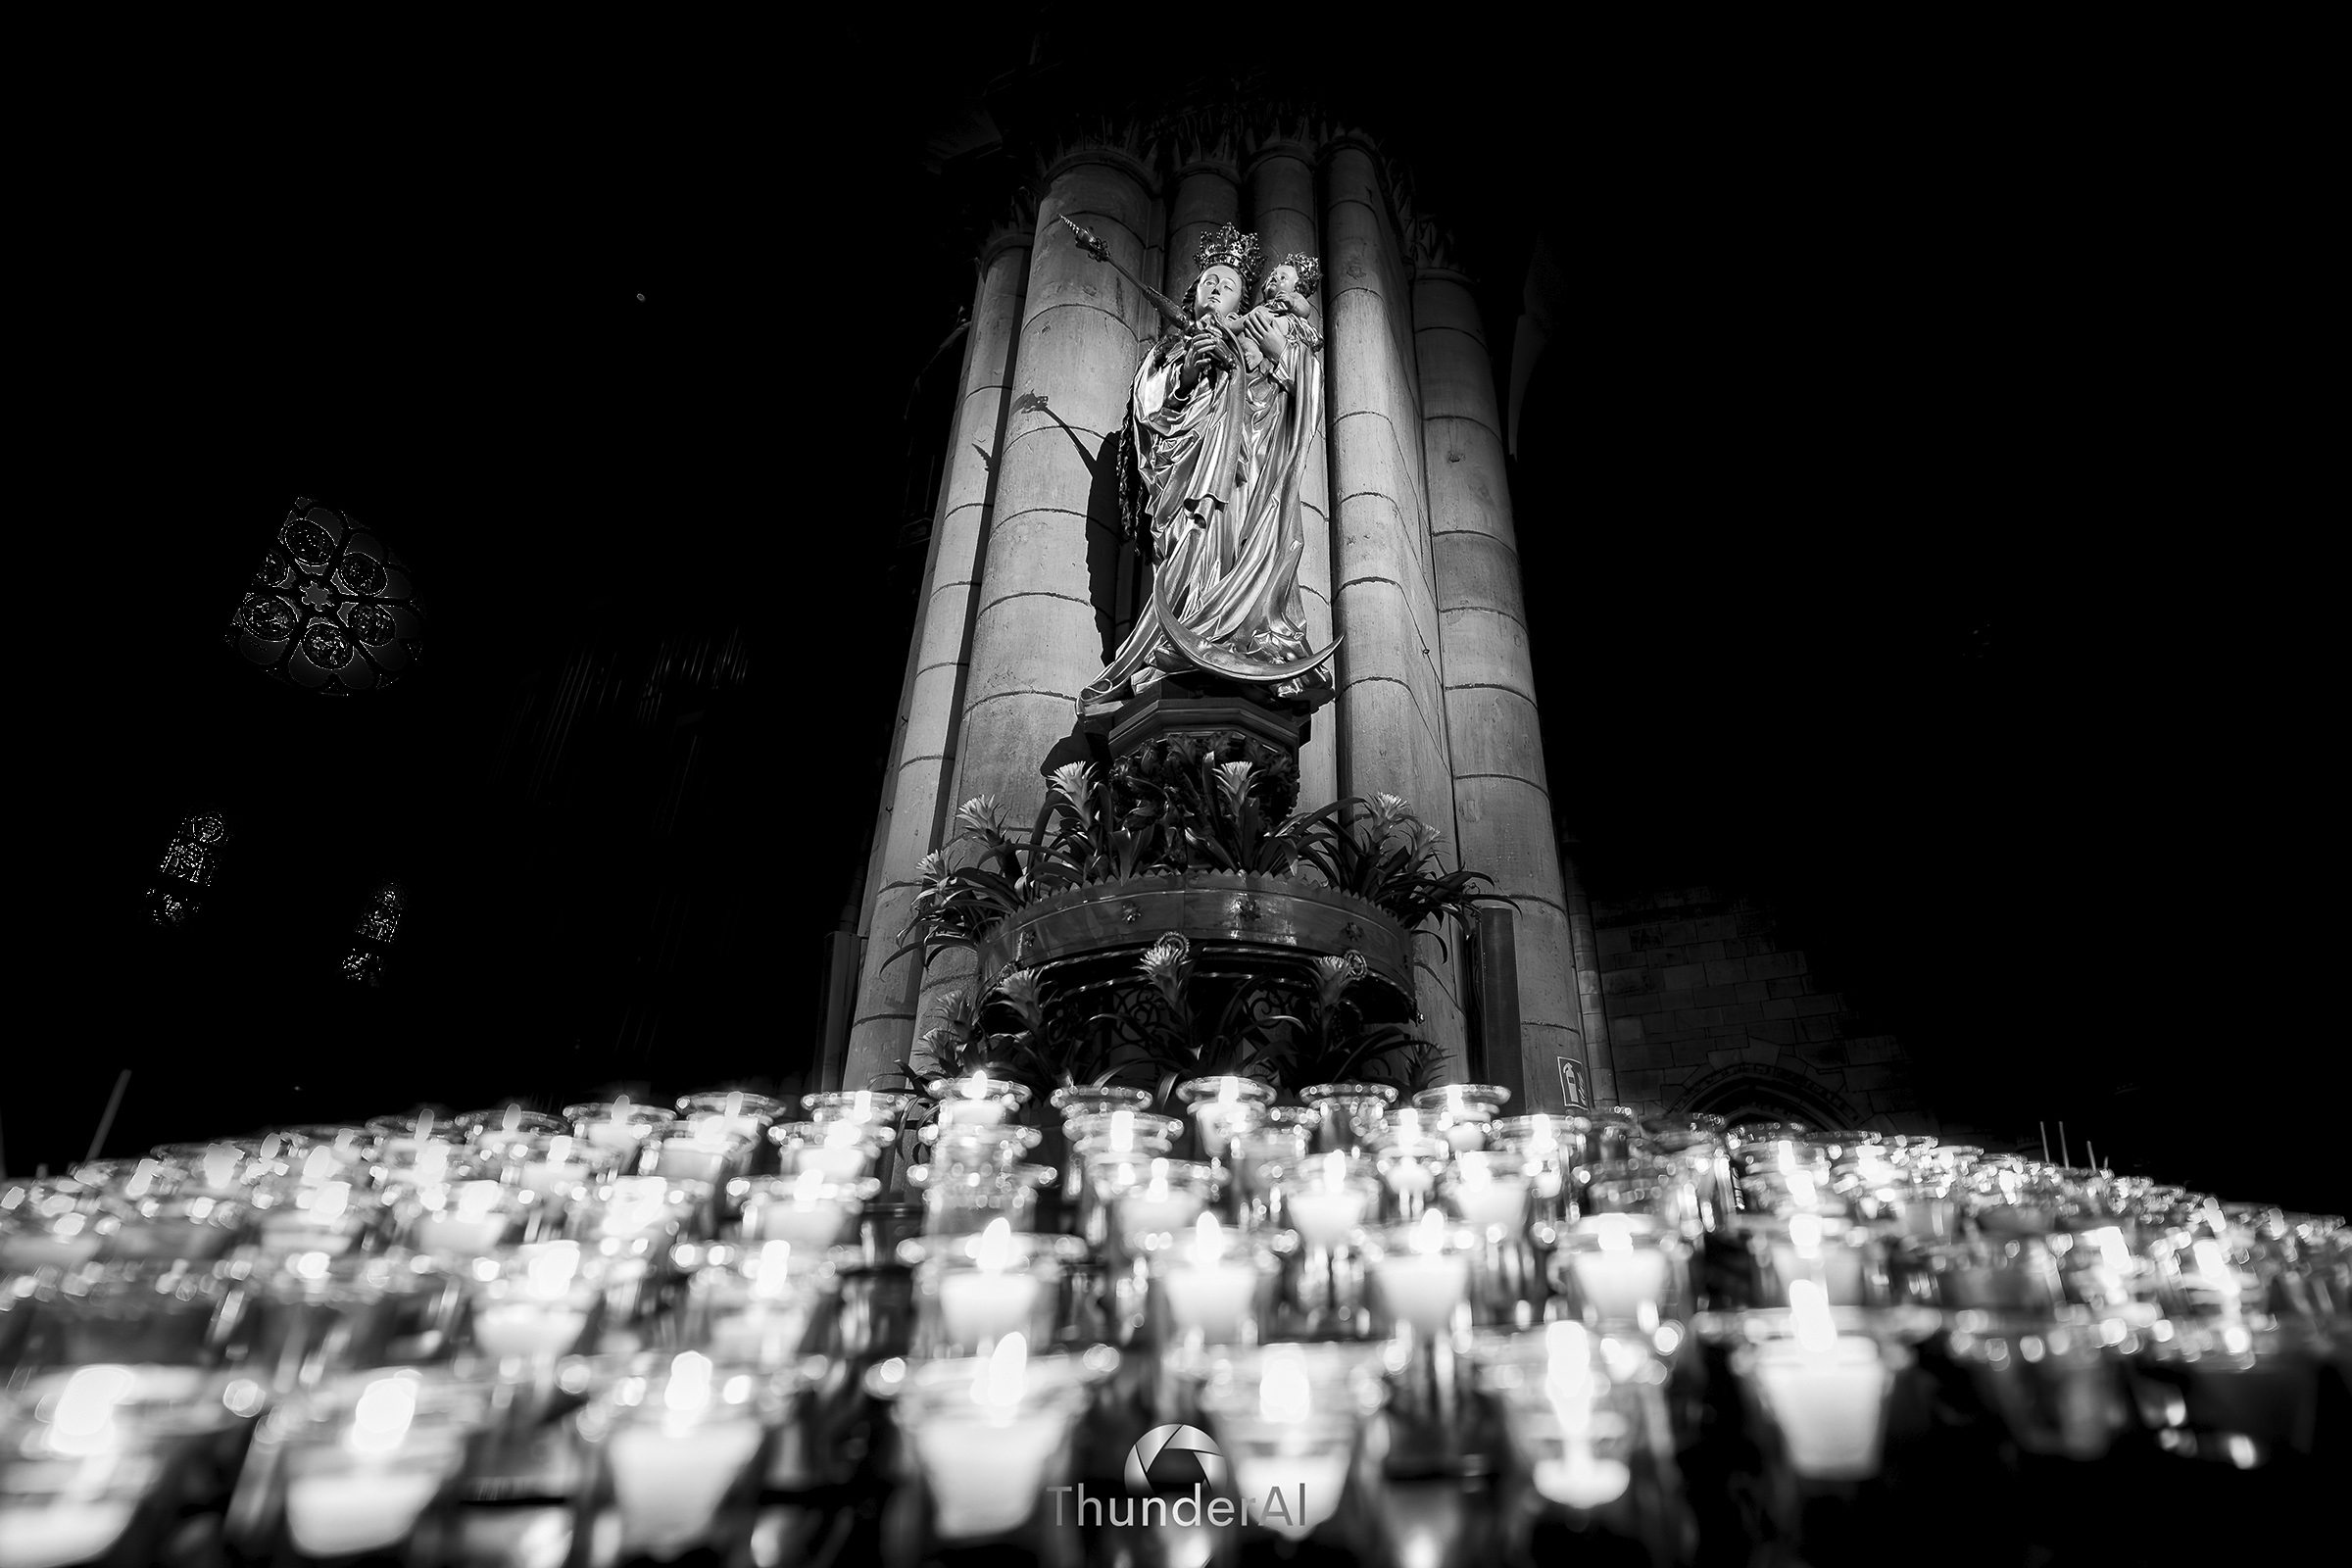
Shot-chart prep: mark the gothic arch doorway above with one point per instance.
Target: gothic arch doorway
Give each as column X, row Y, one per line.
column 1755, row 1092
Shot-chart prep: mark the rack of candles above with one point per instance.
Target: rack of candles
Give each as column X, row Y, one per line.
column 1412, row 1333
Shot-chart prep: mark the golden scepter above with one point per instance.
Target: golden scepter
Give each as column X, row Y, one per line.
column 1092, row 244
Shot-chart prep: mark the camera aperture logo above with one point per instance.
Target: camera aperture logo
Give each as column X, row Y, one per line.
column 1172, row 1472
column 1171, row 1458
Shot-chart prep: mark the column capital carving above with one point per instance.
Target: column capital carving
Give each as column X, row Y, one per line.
column 1015, row 230
column 1430, row 248
column 1126, row 153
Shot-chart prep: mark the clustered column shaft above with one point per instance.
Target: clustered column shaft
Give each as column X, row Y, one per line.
column 1282, row 210
column 1502, row 801
column 1383, row 598
column 916, row 798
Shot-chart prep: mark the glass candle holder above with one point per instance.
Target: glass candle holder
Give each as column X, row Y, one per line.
column 1421, row 1276
column 52, row 1225
column 97, row 1458
column 620, row 1126
column 972, row 1290
column 1348, row 1116
column 332, row 1217
column 1094, row 1100
column 1409, row 1165
column 1701, row 1199
column 1154, row 1196
column 838, row 1151
column 676, row 1445
column 508, row 1121
column 976, row 1099
column 1462, row 1110
column 958, row 1147
column 1288, row 1419
column 1324, row 1198
column 2055, row 1383
column 756, row 1306
column 130, row 1180
column 1820, row 1377
column 196, row 1228
column 709, row 1152
column 1579, row 1406
column 462, row 1220
column 872, row 1106
column 1117, row 1134
column 1258, row 1155
column 735, row 1111
column 1488, row 1191
column 1211, row 1285
column 1621, row 1271
column 1550, row 1147
column 165, row 1313
column 810, row 1211
column 1221, row 1108
column 534, row 1303
column 309, row 1316
column 1839, row 1253
column 964, row 1200
column 989, row 1436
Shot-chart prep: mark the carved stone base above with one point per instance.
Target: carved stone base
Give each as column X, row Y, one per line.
column 1228, row 719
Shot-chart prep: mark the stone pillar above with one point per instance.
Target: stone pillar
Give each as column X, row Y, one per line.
column 1281, row 212
column 1037, row 634
column 1206, row 198
column 914, row 796
column 1384, row 600
column 1503, row 803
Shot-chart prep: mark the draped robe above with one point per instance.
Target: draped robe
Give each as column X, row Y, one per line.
column 1221, row 469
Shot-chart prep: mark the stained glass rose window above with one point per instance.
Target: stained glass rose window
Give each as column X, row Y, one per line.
column 331, row 609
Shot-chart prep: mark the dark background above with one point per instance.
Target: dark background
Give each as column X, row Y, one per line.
column 1901, row 512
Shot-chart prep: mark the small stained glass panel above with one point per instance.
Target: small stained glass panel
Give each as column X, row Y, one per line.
column 330, row 607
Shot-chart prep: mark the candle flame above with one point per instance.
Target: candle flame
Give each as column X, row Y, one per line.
column 1804, row 1234
column 1335, row 1169
column 994, row 1250
column 1809, row 1315
column 1007, row 1376
column 1122, row 1131
column 220, row 1166
column 1229, row 1091
column 974, row 1088
column 734, row 1103
column 1568, row 1360
column 1208, row 1238
column 477, row 1200
column 269, row 1147
column 425, row 1125
column 807, row 1186
column 1614, row 1233
column 141, row 1179
column 514, row 1119
column 83, row 1421
column 330, row 1201
column 689, row 1388
column 620, row 1108
column 1284, row 1392
column 382, row 1418
column 551, row 1270
column 559, row 1150
column 1429, row 1236
column 862, row 1107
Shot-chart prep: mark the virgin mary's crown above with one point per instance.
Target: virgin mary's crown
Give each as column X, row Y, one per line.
column 1229, row 247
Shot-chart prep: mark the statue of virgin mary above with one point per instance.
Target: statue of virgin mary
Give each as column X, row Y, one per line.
column 1222, row 417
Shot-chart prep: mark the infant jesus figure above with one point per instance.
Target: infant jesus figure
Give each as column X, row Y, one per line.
column 1281, row 311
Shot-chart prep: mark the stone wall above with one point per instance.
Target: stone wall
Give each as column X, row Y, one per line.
column 1712, row 1006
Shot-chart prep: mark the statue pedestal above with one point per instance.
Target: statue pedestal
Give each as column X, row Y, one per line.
column 1205, row 708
